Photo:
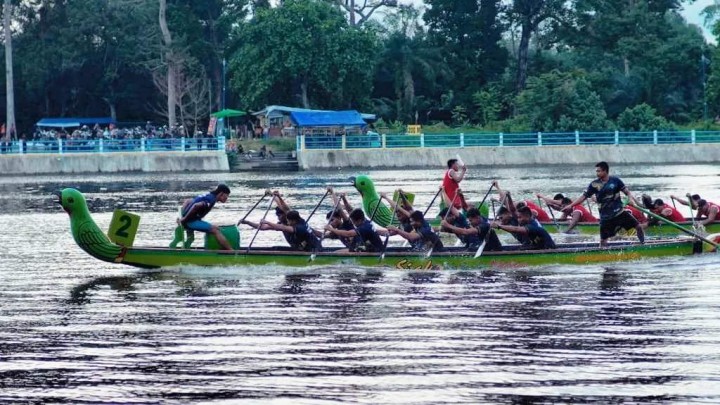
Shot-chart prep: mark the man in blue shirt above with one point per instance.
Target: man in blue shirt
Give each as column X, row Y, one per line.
column 337, row 220
column 365, row 235
column 607, row 191
column 422, row 236
column 477, row 232
column 193, row 212
column 536, row 237
column 304, row 237
column 456, row 219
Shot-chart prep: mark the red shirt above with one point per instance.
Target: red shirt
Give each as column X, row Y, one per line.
column 585, row 215
column 674, row 216
column 451, row 187
column 636, row 213
column 539, row 213
column 706, row 210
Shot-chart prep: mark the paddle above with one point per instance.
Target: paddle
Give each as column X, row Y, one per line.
column 692, row 215
column 254, row 206
column 452, row 204
column 480, row 249
column 317, row 206
column 432, row 201
column 387, row 237
column 486, row 196
column 676, row 226
column 260, row 223
column 314, row 253
column 552, row 214
column 372, row 217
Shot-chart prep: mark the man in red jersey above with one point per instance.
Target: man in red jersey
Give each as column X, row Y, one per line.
column 666, row 211
column 451, row 183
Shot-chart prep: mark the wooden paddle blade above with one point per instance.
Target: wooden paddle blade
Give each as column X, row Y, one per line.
column 429, row 253
column 480, row 250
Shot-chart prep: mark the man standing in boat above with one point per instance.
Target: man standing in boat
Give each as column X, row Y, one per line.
column 613, row 217
column 194, row 210
column 451, row 184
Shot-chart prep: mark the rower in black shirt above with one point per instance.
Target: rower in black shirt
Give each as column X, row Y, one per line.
column 304, row 237
column 365, row 232
column 477, row 232
column 536, row 236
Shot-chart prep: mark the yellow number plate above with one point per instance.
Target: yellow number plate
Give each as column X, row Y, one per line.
column 123, row 228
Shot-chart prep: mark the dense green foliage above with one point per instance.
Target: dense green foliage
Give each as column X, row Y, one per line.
column 540, row 65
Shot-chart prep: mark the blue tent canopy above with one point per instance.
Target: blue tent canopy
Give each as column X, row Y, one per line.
column 327, row 118
column 73, row 122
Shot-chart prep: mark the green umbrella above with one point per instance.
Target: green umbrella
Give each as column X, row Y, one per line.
column 226, row 113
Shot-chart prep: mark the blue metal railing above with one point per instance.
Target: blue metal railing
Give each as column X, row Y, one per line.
column 113, row 145
column 392, row 141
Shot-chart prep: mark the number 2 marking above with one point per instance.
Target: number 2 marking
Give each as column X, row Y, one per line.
column 122, row 231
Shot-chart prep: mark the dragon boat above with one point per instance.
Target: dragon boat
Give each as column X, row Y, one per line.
column 92, row 240
column 655, row 230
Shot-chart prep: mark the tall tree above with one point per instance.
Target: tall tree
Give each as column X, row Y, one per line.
column 528, row 15
column 9, row 79
column 468, row 32
column 302, row 53
column 171, row 63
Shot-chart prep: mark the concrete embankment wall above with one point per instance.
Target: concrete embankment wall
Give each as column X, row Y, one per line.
column 214, row 161
column 509, row 156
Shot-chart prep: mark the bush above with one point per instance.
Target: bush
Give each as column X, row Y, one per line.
column 642, row 117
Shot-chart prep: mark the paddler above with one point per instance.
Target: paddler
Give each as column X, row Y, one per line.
column 475, row 233
column 535, row 235
column 704, row 208
column 402, row 212
column 304, row 237
column 281, row 211
column 538, row 213
column 364, row 233
column 458, row 220
column 422, row 237
column 667, row 211
column 193, row 212
column 612, row 215
column 577, row 214
column 451, row 183
column 340, row 219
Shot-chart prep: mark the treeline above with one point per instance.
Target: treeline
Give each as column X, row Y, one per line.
column 540, row 65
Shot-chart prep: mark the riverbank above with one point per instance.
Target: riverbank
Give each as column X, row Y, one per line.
column 117, row 162
column 509, row 156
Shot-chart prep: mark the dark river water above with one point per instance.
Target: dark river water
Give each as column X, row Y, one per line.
column 77, row 330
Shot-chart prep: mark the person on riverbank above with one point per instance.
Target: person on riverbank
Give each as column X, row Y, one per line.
column 451, row 185
column 536, row 237
column 422, row 237
column 613, row 217
column 477, row 231
column 193, row 212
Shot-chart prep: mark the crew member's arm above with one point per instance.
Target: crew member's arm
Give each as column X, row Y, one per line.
column 680, row 200
column 195, row 207
column 501, row 195
column 630, row 196
column 574, row 219
column 255, row 225
column 341, row 232
column 278, row 227
column 666, row 212
column 410, row 236
column 392, row 203
column 712, row 215
column 510, row 228
column 280, row 202
column 446, row 226
column 459, row 176
column 549, row 201
column 574, row 202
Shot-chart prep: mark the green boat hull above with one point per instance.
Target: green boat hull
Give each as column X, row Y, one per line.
column 93, row 241
column 659, row 230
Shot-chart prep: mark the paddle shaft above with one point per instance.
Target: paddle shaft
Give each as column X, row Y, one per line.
column 330, row 219
column 392, row 218
column 253, row 207
column 692, row 214
column 452, row 204
column 486, row 196
column 317, row 206
column 676, row 226
column 432, row 201
column 481, row 248
column 260, row 223
column 552, row 214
